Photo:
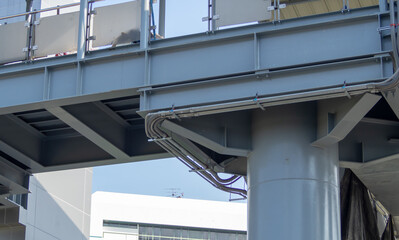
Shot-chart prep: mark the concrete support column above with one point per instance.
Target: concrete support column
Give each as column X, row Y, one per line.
column 293, row 187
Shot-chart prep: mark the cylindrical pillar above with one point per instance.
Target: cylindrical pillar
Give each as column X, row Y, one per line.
column 293, row 187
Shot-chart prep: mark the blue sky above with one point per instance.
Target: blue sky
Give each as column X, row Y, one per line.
column 162, row 177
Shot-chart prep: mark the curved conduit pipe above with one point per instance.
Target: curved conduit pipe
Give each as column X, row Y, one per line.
column 195, row 165
column 154, row 120
column 153, row 131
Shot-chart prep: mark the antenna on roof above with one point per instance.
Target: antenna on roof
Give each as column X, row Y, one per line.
column 174, row 192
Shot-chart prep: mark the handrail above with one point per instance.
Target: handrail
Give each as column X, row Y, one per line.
column 47, row 9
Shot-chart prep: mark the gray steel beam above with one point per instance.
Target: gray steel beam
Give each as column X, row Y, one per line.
column 345, row 115
column 195, row 137
column 88, row 132
column 224, row 53
column 369, row 142
column 20, row 144
column 392, row 98
column 267, row 84
column 55, row 165
column 13, row 177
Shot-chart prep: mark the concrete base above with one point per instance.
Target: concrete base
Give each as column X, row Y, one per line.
column 293, row 187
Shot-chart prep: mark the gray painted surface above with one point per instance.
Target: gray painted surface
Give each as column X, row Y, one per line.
column 56, row 212
column 299, row 60
column 13, row 233
column 293, row 187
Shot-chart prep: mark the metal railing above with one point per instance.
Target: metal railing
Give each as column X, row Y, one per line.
column 145, row 32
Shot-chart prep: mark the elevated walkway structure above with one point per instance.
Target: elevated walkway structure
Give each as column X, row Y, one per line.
column 283, row 103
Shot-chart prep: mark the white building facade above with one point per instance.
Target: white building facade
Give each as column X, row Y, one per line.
column 58, row 208
column 58, row 205
column 116, row 216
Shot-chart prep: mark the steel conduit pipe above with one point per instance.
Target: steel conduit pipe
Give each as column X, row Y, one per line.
column 153, row 131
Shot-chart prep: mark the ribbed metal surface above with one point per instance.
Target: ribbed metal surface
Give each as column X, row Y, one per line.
column 49, row 125
column 127, row 109
column 46, row 123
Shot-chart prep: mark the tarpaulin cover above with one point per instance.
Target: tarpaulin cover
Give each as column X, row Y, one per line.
column 358, row 221
column 389, row 232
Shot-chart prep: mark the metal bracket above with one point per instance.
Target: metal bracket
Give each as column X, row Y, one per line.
column 91, row 38
column 35, row 47
column 37, row 22
column 173, row 113
column 346, row 91
column 214, row 17
column 256, row 99
column 273, row 8
column 263, row 73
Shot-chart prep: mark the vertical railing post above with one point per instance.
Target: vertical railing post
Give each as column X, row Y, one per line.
column 84, row 4
column 162, row 14
column 145, row 23
column 383, row 5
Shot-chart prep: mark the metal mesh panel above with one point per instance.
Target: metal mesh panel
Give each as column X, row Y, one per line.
column 13, row 39
column 57, row 34
column 237, row 11
column 117, row 24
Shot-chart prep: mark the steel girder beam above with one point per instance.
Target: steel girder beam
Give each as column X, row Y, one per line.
column 266, row 59
column 93, row 135
column 19, row 143
column 13, row 178
column 337, row 118
column 369, row 141
column 195, row 137
column 105, row 138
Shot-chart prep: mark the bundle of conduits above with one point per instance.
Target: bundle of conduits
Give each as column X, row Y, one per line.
column 155, row 131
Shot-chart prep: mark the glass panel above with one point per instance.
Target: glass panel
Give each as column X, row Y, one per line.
column 233, row 12
column 170, row 233
column 195, row 234
column 306, row 8
column 156, row 233
column 117, row 24
column 184, row 233
column 223, row 236
column 241, row 237
column 57, row 34
column 213, row 236
column 145, row 232
column 13, row 39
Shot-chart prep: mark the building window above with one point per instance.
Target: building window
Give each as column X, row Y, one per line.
column 115, row 230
